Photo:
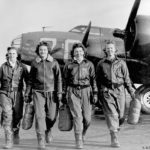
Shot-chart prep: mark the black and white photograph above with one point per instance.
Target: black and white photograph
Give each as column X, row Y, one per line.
column 75, row 74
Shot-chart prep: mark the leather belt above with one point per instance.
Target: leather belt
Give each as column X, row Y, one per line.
column 113, row 85
column 79, row 86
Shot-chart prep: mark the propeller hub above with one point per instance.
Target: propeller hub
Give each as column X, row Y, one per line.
column 119, row 33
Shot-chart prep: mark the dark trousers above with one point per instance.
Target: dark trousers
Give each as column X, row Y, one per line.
column 12, row 109
column 46, row 110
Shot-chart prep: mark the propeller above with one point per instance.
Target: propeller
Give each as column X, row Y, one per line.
column 133, row 14
column 86, row 35
column 128, row 33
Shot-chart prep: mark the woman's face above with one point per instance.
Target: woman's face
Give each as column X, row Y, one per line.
column 43, row 51
column 78, row 53
column 110, row 50
column 12, row 55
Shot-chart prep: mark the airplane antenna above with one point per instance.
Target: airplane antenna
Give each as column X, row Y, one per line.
column 45, row 27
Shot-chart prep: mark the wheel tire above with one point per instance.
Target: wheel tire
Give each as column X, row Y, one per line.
column 144, row 96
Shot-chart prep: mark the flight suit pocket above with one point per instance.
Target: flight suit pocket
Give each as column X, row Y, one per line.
column 119, row 72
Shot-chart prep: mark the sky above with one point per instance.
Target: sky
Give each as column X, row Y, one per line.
column 21, row 16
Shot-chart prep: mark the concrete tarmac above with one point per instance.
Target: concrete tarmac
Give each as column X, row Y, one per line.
column 131, row 137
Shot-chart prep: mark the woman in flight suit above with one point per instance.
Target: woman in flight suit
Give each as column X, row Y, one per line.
column 45, row 85
column 80, row 90
column 112, row 77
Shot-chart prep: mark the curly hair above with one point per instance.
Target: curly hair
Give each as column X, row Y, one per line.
column 43, row 43
column 75, row 45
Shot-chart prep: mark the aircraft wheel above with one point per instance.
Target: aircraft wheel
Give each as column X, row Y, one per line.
column 144, row 95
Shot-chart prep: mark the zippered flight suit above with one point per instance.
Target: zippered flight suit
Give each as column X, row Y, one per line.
column 80, row 85
column 112, row 78
column 11, row 94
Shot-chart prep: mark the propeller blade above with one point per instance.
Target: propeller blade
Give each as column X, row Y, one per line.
column 132, row 14
column 86, row 35
column 55, row 51
column 130, row 27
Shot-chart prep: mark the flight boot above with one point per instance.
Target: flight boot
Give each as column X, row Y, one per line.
column 8, row 139
column 114, row 139
column 79, row 141
column 48, row 136
column 41, row 142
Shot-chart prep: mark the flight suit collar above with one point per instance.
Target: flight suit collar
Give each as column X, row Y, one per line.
column 112, row 61
column 75, row 61
column 49, row 58
column 8, row 63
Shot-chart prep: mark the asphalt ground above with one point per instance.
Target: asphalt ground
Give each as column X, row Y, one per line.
column 131, row 137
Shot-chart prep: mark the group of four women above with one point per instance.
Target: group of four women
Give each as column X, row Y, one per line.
column 81, row 87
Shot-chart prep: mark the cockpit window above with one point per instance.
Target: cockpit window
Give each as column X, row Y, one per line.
column 79, row 29
column 82, row 29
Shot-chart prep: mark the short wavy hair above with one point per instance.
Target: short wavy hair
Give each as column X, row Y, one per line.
column 11, row 47
column 75, row 45
column 43, row 43
column 109, row 42
column 18, row 54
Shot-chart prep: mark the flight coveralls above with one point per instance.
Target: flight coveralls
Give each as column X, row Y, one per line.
column 112, row 78
column 46, row 84
column 11, row 95
column 80, row 86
